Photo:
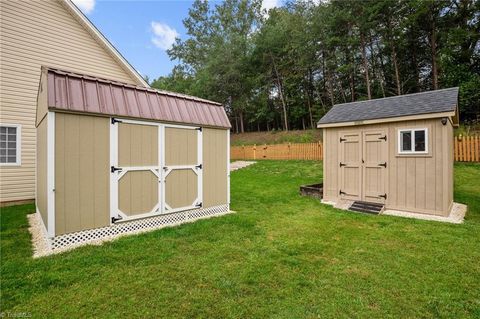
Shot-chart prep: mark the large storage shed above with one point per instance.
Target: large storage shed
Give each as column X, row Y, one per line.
column 113, row 158
column 396, row 152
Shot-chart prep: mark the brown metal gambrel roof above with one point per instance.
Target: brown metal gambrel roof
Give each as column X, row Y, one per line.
column 80, row 93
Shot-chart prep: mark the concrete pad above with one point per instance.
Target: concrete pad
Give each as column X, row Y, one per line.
column 456, row 216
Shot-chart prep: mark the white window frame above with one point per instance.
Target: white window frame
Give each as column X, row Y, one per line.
column 18, row 161
column 412, row 136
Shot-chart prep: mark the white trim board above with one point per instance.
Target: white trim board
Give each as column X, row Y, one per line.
column 51, row 174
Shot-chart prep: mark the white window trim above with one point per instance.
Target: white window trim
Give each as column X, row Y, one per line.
column 18, row 146
column 412, row 131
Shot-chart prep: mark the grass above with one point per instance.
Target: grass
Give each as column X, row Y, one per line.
column 276, row 137
column 280, row 256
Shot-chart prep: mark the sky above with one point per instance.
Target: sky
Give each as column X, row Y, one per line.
column 143, row 30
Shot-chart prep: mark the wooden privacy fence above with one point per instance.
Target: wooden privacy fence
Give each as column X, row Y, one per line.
column 300, row 151
column 466, row 149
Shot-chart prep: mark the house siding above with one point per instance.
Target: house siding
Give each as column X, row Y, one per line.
column 35, row 34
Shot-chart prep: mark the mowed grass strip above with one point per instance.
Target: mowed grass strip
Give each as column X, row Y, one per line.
column 280, row 256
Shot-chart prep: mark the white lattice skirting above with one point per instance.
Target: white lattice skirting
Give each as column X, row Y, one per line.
column 132, row 227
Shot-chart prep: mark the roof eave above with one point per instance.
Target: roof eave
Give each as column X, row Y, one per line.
column 97, row 35
column 390, row 119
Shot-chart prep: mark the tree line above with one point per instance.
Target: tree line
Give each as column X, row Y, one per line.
column 284, row 69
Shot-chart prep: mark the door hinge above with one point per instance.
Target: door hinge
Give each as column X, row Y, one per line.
column 199, row 166
column 342, row 193
column 199, row 205
column 384, row 196
column 115, row 219
column 383, row 164
column 342, row 139
column 199, row 129
column 113, row 169
column 341, row 164
column 383, row 138
column 114, row 120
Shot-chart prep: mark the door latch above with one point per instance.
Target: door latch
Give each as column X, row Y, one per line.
column 383, row 196
column 116, row 219
column 341, row 164
column 383, row 164
column 113, row 169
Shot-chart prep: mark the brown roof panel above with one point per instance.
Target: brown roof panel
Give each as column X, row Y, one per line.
column 82, row 93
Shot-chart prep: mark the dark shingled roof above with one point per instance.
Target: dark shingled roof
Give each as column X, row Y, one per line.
column 403, row 105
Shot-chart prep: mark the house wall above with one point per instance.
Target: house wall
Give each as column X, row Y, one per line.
column 418, row 183
column 36, row 33
column 82, row 172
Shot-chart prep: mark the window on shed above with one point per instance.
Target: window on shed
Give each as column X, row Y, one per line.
column 10, row 144
column 413, row 141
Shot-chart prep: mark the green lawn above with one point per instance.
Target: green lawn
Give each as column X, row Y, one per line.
column 280, row 256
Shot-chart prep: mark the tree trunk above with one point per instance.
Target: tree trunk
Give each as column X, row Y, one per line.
column 309, row 104
column 381, row 72
column 433, row 44
column 309, row 101
column 280, row 91
column 241, row 122
column 397, row 72
column 365, row 65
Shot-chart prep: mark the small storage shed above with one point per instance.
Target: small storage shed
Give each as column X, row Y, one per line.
column 114, row 158
column 395, row 151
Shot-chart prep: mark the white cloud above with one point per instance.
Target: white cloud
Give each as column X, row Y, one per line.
column 270, row 4
column 164, row 35
column 86, row 6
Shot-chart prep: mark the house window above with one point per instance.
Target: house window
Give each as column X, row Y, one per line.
column 10, row 146
column 413, row 141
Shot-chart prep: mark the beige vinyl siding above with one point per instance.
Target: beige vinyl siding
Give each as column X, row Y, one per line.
column 82, row 172
column 418, row 183
column 215, row 167
column 36, row 33
column 41, row 192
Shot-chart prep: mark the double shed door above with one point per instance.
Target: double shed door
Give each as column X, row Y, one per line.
column 363, row 165
column 155, row 169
